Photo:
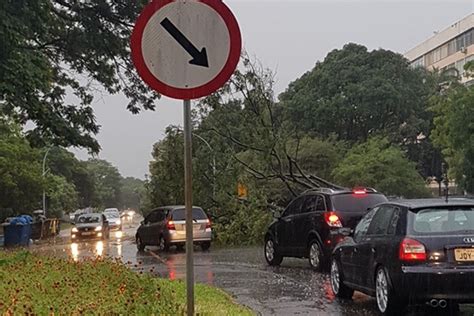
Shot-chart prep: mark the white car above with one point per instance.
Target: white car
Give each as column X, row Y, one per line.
column 113, row 217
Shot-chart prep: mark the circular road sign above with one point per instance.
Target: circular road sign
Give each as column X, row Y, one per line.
column 186, row 49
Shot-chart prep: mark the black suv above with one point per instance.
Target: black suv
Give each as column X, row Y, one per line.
column 310, row 225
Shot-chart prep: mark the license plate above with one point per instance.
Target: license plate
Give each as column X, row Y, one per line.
column 464, row 254
column 86, row 233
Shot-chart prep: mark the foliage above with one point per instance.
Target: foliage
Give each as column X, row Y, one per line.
column 355, row 93
column 62, row 196
column 454, row 131
column 244, row 222
column 132, row 192
column 21, row 181
column 97, row 287
column 378, row 164
column 166, row 185
column 50, row 47
column 63, row 163
column 107, row 183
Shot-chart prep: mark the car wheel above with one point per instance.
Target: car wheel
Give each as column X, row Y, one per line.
column 163, row 244
column 140, row 244
column 206, row 245
column 315, row 255
column 387, row 302
column 337, row 282
column 271, row 254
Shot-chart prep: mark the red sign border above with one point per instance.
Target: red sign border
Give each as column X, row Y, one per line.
column 191, row 93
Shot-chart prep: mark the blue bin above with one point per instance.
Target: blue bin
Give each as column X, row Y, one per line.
column 17, row 235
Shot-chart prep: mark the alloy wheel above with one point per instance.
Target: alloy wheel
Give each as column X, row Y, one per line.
column 314, row 255
column 269, row 250
column 381, row 290
column 335, row 278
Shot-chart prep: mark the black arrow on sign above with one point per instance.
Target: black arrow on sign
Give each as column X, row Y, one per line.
column 199, row 57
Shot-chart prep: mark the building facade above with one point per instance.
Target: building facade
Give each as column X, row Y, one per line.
column 449, row 49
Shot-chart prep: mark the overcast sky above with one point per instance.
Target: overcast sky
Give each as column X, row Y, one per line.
column 286, row 36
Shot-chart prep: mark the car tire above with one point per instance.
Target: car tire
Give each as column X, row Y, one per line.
column 163, row 244
column 140, row 245
column 315, row 255
column 337, row 282
column 205, row 246
column 387, row 302
column 272, row 256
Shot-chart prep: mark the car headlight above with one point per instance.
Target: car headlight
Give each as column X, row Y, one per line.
column 74, row 230
column 98, row 228
column 119, row 222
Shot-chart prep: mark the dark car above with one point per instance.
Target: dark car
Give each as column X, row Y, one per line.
column 409, row 252
column 93, row 225
column 165, row 227
column 309, row 226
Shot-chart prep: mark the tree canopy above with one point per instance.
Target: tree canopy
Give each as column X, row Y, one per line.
column 54, row 47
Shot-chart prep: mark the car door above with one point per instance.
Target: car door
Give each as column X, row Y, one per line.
column 309, row 219
column 285, row 227
column 301, row 224
column 371, row 248
column 147, row 228
column 350, row 252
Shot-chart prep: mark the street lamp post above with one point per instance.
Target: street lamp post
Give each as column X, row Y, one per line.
column 44, row 173
column 213, row 164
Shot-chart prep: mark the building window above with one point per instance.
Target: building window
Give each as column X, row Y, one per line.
column 417, row 62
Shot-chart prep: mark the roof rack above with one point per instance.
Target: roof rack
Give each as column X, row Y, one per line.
column 323, row 190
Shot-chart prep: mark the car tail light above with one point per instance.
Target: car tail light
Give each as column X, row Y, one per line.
column 208, row 224
column 412, row 250
column 170, row 225
column 332, row 219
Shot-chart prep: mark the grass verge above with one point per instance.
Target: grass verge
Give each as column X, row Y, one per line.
column 32, row 284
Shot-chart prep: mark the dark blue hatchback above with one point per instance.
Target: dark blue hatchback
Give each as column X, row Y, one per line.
column 409, row 252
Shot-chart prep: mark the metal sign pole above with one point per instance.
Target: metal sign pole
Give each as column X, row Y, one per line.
column 188, row 194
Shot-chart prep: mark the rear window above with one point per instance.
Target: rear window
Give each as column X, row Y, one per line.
column 88, row 219
column 356, row 202
column 452, row 220
column 180, row 214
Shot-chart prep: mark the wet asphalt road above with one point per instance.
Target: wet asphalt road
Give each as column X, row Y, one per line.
column 291, row 289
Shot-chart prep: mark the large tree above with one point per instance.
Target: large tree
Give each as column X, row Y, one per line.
column 355, row 93
column 53, row 47
column 454, row 130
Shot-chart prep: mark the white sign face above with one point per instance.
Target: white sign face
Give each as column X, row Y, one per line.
column 179, row 33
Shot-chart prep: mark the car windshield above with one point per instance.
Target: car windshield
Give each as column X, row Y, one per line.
column 88, row 219
column 356, row 202
column 180, row 214
column 452, row 220
column 112, row 215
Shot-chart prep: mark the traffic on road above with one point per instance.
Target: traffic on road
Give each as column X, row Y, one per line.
column 409, row 257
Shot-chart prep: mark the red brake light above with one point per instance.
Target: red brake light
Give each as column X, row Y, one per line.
column 332, row 219
column 208, row 224
column 412, row 250
column 359, row 191
column 170, row 225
